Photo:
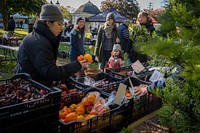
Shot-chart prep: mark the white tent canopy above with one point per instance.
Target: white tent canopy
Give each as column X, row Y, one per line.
column 17, row 15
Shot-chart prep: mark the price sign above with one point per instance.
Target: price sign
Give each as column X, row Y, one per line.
column 137, row 66
column 120, row 94
column 5, row 35
column 156, row 76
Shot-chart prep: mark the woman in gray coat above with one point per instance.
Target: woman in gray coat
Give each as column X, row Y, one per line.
column 106, row 38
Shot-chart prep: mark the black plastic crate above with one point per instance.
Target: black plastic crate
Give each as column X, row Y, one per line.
column 108, row 82
column 37, row 115
column 124, row 72
column 69, row 89
column 111, row 121
column 144, row 104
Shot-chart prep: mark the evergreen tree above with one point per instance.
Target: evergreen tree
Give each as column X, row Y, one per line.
column 179, row 46
column 129, row 8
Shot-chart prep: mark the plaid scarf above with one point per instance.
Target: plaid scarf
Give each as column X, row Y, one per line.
column 108, row 30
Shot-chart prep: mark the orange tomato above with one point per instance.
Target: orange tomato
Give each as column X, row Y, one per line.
column 85, row 102
column 88, row 109
column 88, row 57
column 70, row 117
column 72, row 107
column 91, row 98
column 80, row 118
column 80, row 109
column 62, row 114
column 80, row 57
column 65, row 111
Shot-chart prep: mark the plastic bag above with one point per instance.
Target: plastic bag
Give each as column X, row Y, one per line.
column 101, row 107
column 88, row 80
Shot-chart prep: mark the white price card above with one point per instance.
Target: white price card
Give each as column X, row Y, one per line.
column 120, row 94
column 156, row 76
column 137, row 66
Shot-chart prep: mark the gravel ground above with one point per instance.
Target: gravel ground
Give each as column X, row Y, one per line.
column 151, row 126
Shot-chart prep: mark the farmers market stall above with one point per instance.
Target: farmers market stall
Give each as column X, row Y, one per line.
column 94, row 102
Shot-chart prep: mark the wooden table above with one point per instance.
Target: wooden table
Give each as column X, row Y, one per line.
column 9, row 52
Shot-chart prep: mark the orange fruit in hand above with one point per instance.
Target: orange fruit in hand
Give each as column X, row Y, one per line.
column 80, row 57
column 88, row 57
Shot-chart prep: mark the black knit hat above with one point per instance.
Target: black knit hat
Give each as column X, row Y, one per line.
column 79, row 19
column 110, row 16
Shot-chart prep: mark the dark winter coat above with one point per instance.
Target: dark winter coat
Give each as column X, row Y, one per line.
column 123, row 35
column 11, row 25
column 76, row 44
column 37, row 56
column 149, row 26
column 99, row 46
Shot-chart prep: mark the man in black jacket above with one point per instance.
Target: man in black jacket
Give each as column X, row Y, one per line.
column 146, row 22
column 38, row 51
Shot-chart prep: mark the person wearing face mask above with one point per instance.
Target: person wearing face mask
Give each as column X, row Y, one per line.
column 106, row 38
column 38, row 51
column 77, row 39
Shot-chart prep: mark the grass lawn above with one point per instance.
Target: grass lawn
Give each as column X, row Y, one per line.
column 7, row 67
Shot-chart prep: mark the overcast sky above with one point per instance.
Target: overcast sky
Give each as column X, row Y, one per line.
column 76, row 3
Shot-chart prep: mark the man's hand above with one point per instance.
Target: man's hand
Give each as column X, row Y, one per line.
column 84, row 63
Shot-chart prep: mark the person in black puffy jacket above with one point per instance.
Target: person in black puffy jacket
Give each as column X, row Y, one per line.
column 38, row 51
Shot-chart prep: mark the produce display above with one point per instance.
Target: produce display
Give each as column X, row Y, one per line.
column 19, row 90
column 91, row 111
column 90, row 106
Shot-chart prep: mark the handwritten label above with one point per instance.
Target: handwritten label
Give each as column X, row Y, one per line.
column 156, row 76
column 137, row 66
column 120, row 94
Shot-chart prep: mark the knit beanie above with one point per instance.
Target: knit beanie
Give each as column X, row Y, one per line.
column 117, row 47
column 70, row 21
column 51, row 12
column 110, row 16
column 79, row 19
